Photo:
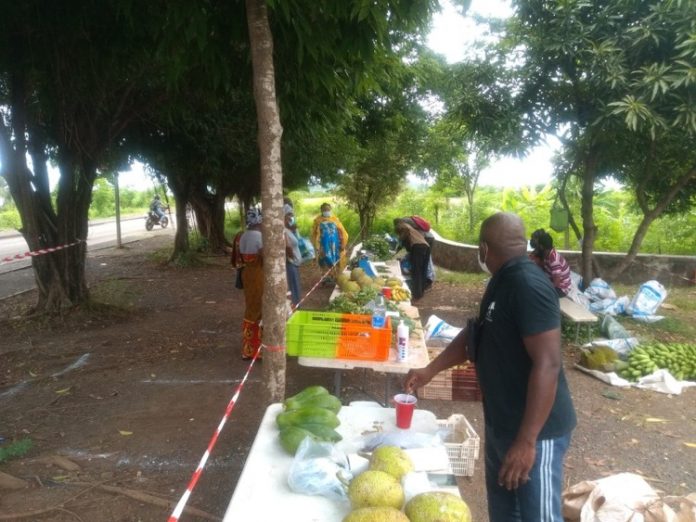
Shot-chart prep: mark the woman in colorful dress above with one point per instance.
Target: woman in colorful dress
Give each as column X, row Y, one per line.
column 330, row 241
column 251, row 252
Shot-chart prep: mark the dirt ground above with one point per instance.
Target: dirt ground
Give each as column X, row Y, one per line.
column 132, row 393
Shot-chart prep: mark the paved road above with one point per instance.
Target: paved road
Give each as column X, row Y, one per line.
column 17, row 276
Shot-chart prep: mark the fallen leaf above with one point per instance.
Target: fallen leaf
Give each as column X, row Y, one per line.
column 609, row 394
column 125, row 433
column 59, row 478
column 32, row 373
column 64, row 391
column 690, row 444
column 668, row 306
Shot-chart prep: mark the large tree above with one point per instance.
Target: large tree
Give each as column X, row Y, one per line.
column 70, row 89
column 604, row 76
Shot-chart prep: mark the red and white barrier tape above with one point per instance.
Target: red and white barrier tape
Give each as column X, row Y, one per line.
column 174, row 517
column 39, row 252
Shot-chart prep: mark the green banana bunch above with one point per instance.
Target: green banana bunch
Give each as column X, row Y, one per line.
column 678, row 358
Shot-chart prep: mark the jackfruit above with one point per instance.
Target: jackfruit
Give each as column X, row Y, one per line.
column 600, row 358
column 376, row 489
column 376, row 514
column 356, row 273
column 437, row 506
column 392, row 460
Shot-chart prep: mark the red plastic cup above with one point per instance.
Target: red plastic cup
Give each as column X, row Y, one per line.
column 387, row 292
column 404, row 405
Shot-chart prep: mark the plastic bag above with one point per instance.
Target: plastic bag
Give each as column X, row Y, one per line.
column 405, row 439
column 648, row 299
column 316, row 470
column 612, row 329
column 599, row 289
column 306, row 249
column 436, row 328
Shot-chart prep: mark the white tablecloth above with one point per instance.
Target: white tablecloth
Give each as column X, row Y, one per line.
column 262, row 493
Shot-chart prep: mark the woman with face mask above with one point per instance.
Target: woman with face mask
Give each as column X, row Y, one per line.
column 293, row 258
column 251, row 252
column 330, row 241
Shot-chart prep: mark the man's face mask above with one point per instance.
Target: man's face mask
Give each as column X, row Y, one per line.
column 326, row 213
column 482, row 262
column 291, row 221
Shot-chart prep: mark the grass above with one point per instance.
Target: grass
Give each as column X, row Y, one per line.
column 15, row 449
column 459, row 278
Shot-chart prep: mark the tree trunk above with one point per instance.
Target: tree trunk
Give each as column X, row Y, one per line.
column 59, row 276
column 181, row 187
column 269, row 136
column 564, row 202
column 588, row 224
column 210, row 216
column 470, row 209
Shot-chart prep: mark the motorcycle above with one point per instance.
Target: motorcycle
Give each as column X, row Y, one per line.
column 153, row 219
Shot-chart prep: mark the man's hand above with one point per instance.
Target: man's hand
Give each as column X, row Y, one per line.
column 416, row 379
column 518, row 462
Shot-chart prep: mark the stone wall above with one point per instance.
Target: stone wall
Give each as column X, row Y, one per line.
column 668, row 270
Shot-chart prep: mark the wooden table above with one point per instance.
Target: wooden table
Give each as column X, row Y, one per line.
column 262, row 493
column 417, row 358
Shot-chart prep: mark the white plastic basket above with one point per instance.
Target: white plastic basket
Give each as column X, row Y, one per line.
column 462, row 444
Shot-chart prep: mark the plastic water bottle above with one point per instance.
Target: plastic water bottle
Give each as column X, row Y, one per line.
column 379, row 314
column 402, row 333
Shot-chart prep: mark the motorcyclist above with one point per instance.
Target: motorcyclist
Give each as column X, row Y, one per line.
column 157, row 207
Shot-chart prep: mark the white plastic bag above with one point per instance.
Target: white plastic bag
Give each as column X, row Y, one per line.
column 316, row 470
column 599, row 289
column 648, row 299
column 436, row 328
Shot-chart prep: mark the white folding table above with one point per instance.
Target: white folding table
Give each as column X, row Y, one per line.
column 262, row 493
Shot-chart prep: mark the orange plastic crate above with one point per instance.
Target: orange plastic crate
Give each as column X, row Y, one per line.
column 360, row 341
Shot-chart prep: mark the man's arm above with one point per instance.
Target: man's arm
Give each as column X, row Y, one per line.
column 456, row 353
column 545, row 352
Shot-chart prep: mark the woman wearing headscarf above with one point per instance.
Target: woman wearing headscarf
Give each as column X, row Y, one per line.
column 550, row 261
column 419, row 254
column 251, row 252
column 330, row 241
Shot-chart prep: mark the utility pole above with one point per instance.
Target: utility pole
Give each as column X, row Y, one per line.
column 117, row 203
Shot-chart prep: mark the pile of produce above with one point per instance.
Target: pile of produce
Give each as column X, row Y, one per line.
column 678, row 358
column 358, row 281
column 601, row 358
column 376, row 495
column 310, row 413
column 378, row 246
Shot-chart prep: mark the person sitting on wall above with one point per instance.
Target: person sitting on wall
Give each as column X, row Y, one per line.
column 550, row 261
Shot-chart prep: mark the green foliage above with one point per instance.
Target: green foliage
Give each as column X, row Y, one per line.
column 378, row 246
column 9, row 220
column 15, row 449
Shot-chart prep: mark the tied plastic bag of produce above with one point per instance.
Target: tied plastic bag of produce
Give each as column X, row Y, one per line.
column 648, row 299
column 316, row 470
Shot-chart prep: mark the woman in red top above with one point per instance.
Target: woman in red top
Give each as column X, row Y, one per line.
column 550, row 261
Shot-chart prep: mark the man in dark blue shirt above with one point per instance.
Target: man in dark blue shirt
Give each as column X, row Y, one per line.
column 516, row 346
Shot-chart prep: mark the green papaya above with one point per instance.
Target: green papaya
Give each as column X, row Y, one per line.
column 307, row 393
column 307, row 415
column 292, row 436
column 328, row 402
column 323, row 432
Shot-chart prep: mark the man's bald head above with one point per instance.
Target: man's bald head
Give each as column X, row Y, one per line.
column 504, row 234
